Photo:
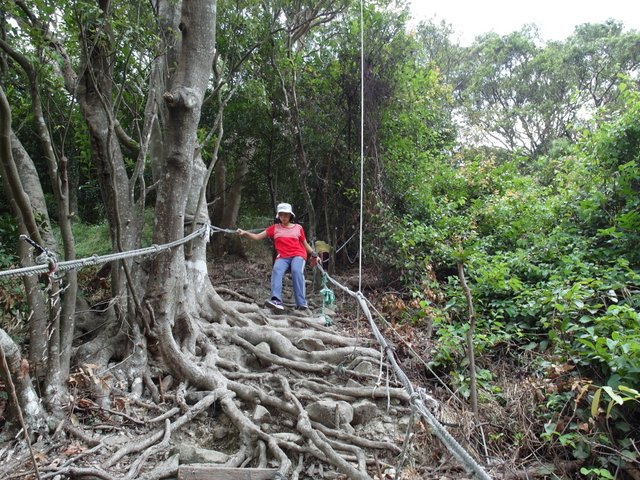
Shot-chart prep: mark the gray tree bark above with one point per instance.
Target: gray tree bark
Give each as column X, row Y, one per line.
column 17, row 374
column 61, row 315
column 183, row 101
column 30, row 180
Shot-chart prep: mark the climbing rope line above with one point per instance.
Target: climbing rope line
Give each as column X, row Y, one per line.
column 345, row 243
column 417, row 356
column 49, row 260
column 361, row 138
column 48, row 263
column 419, row 397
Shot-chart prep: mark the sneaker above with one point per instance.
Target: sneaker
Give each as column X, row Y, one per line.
column 302, row 307
column 275, row 304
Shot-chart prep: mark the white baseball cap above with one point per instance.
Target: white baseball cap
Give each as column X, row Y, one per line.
column 284, row 208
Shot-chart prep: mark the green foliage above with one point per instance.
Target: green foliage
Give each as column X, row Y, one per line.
column 597, row 473
column 8, row 238
column 93, row 239
column 550, row 249
column 618, row 397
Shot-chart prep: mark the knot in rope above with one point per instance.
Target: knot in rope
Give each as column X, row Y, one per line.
column 208, row 232
column 44, row 257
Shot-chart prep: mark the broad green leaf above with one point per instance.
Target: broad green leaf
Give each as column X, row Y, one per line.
column 595, row 403
column 632, row 391
column 614, row 396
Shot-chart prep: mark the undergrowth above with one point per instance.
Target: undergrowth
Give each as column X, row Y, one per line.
column 90, row 239
column 555, row 286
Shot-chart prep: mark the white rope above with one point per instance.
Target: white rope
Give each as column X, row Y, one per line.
column 361, row 138
column 344, row 244
column 419, row 397
column 95, row 259
column 205, row 231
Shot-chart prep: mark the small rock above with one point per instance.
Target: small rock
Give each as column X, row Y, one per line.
column 351, row 383
column 330, row 412
column 219, row 432
column 363, row 411
column 265, row 348
column 310, row 344
column 261, row 415
column 191, row 454
column 233, row 354
column 366, row 368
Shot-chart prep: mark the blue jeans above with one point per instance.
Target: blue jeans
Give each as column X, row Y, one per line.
column 280, row 267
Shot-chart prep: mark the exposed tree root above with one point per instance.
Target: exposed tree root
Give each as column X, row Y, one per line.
column 239, row 386
column 287, row 386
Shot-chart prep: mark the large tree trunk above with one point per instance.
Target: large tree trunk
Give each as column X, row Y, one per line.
column 124, row 199
column 94, row 94
column 168, row 271
column 233, row 198
column 37, row 303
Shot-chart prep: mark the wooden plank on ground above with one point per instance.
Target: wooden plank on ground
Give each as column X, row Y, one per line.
column 210, row 472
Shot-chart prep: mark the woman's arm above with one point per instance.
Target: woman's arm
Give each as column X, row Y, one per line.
column 253, row 236
column 308, row 248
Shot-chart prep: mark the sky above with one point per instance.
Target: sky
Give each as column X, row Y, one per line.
column 555, row 18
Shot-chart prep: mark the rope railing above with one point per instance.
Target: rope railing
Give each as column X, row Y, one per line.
column 47, row 262
column 419, row 397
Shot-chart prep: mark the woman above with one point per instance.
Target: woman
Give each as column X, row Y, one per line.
column 292, row 249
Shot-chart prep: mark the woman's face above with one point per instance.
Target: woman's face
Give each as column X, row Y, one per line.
column 284, row 218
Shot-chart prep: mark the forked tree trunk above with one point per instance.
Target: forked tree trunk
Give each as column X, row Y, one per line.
column 220, row 184
column 35, row 295
column 13, row 369
column 174, row 284
column 94, row 93
column 228, row 198
column 233, row 198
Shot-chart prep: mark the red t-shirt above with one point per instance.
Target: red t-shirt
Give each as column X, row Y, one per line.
column 288, row 240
